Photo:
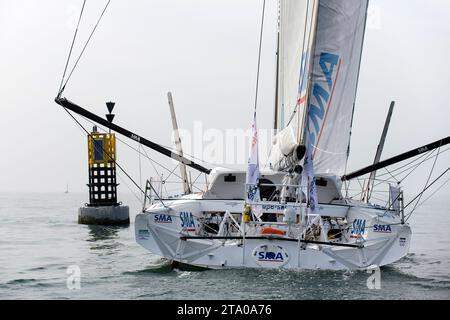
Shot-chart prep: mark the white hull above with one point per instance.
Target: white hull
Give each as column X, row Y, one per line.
column 382, row 239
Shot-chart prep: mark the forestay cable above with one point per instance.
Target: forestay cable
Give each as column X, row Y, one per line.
column 259, row 53
column 71, row 47
column 428, row 180
column 87, row 42
column 425, row 189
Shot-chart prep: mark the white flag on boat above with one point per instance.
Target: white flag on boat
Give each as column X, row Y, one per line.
column 394, row 195
column 252, row 179
column 308, row 180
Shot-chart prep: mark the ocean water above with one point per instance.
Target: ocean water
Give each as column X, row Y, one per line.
column 40, row 239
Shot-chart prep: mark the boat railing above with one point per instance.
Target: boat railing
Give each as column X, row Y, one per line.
column 383, row 193
column 150, row 194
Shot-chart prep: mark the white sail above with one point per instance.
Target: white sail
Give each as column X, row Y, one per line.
column 296, row 26
column 337, row 55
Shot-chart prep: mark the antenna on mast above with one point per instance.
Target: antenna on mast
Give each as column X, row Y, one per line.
column 369, row 187
column 186, row 187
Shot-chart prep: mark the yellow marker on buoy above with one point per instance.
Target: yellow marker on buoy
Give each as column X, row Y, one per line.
column 102, row 168
column 101, row 148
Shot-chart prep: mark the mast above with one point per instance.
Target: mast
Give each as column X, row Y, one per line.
column 312, row 39
column 176, row 133
column 131, row 135
column 369, row 187
column 275, row 118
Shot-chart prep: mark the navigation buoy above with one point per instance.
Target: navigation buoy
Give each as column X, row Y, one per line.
column 103, row 207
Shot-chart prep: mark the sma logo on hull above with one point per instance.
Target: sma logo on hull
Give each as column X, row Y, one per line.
column 162, row 218
column 358, row 228
column 187, row 221
column 382, row 228
column 269, row 255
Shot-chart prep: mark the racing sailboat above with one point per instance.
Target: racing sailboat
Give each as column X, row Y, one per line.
column 294, row 215
column 300, row 218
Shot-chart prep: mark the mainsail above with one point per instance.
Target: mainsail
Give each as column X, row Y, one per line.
column 320, row 47
column 334, row 80
column 296, row 31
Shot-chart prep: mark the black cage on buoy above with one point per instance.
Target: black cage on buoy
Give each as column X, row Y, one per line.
column 102, row 169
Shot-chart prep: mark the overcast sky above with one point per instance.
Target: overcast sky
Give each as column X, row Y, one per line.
column 205, row 52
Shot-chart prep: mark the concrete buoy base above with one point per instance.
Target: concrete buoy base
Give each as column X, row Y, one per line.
column 104, row 215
